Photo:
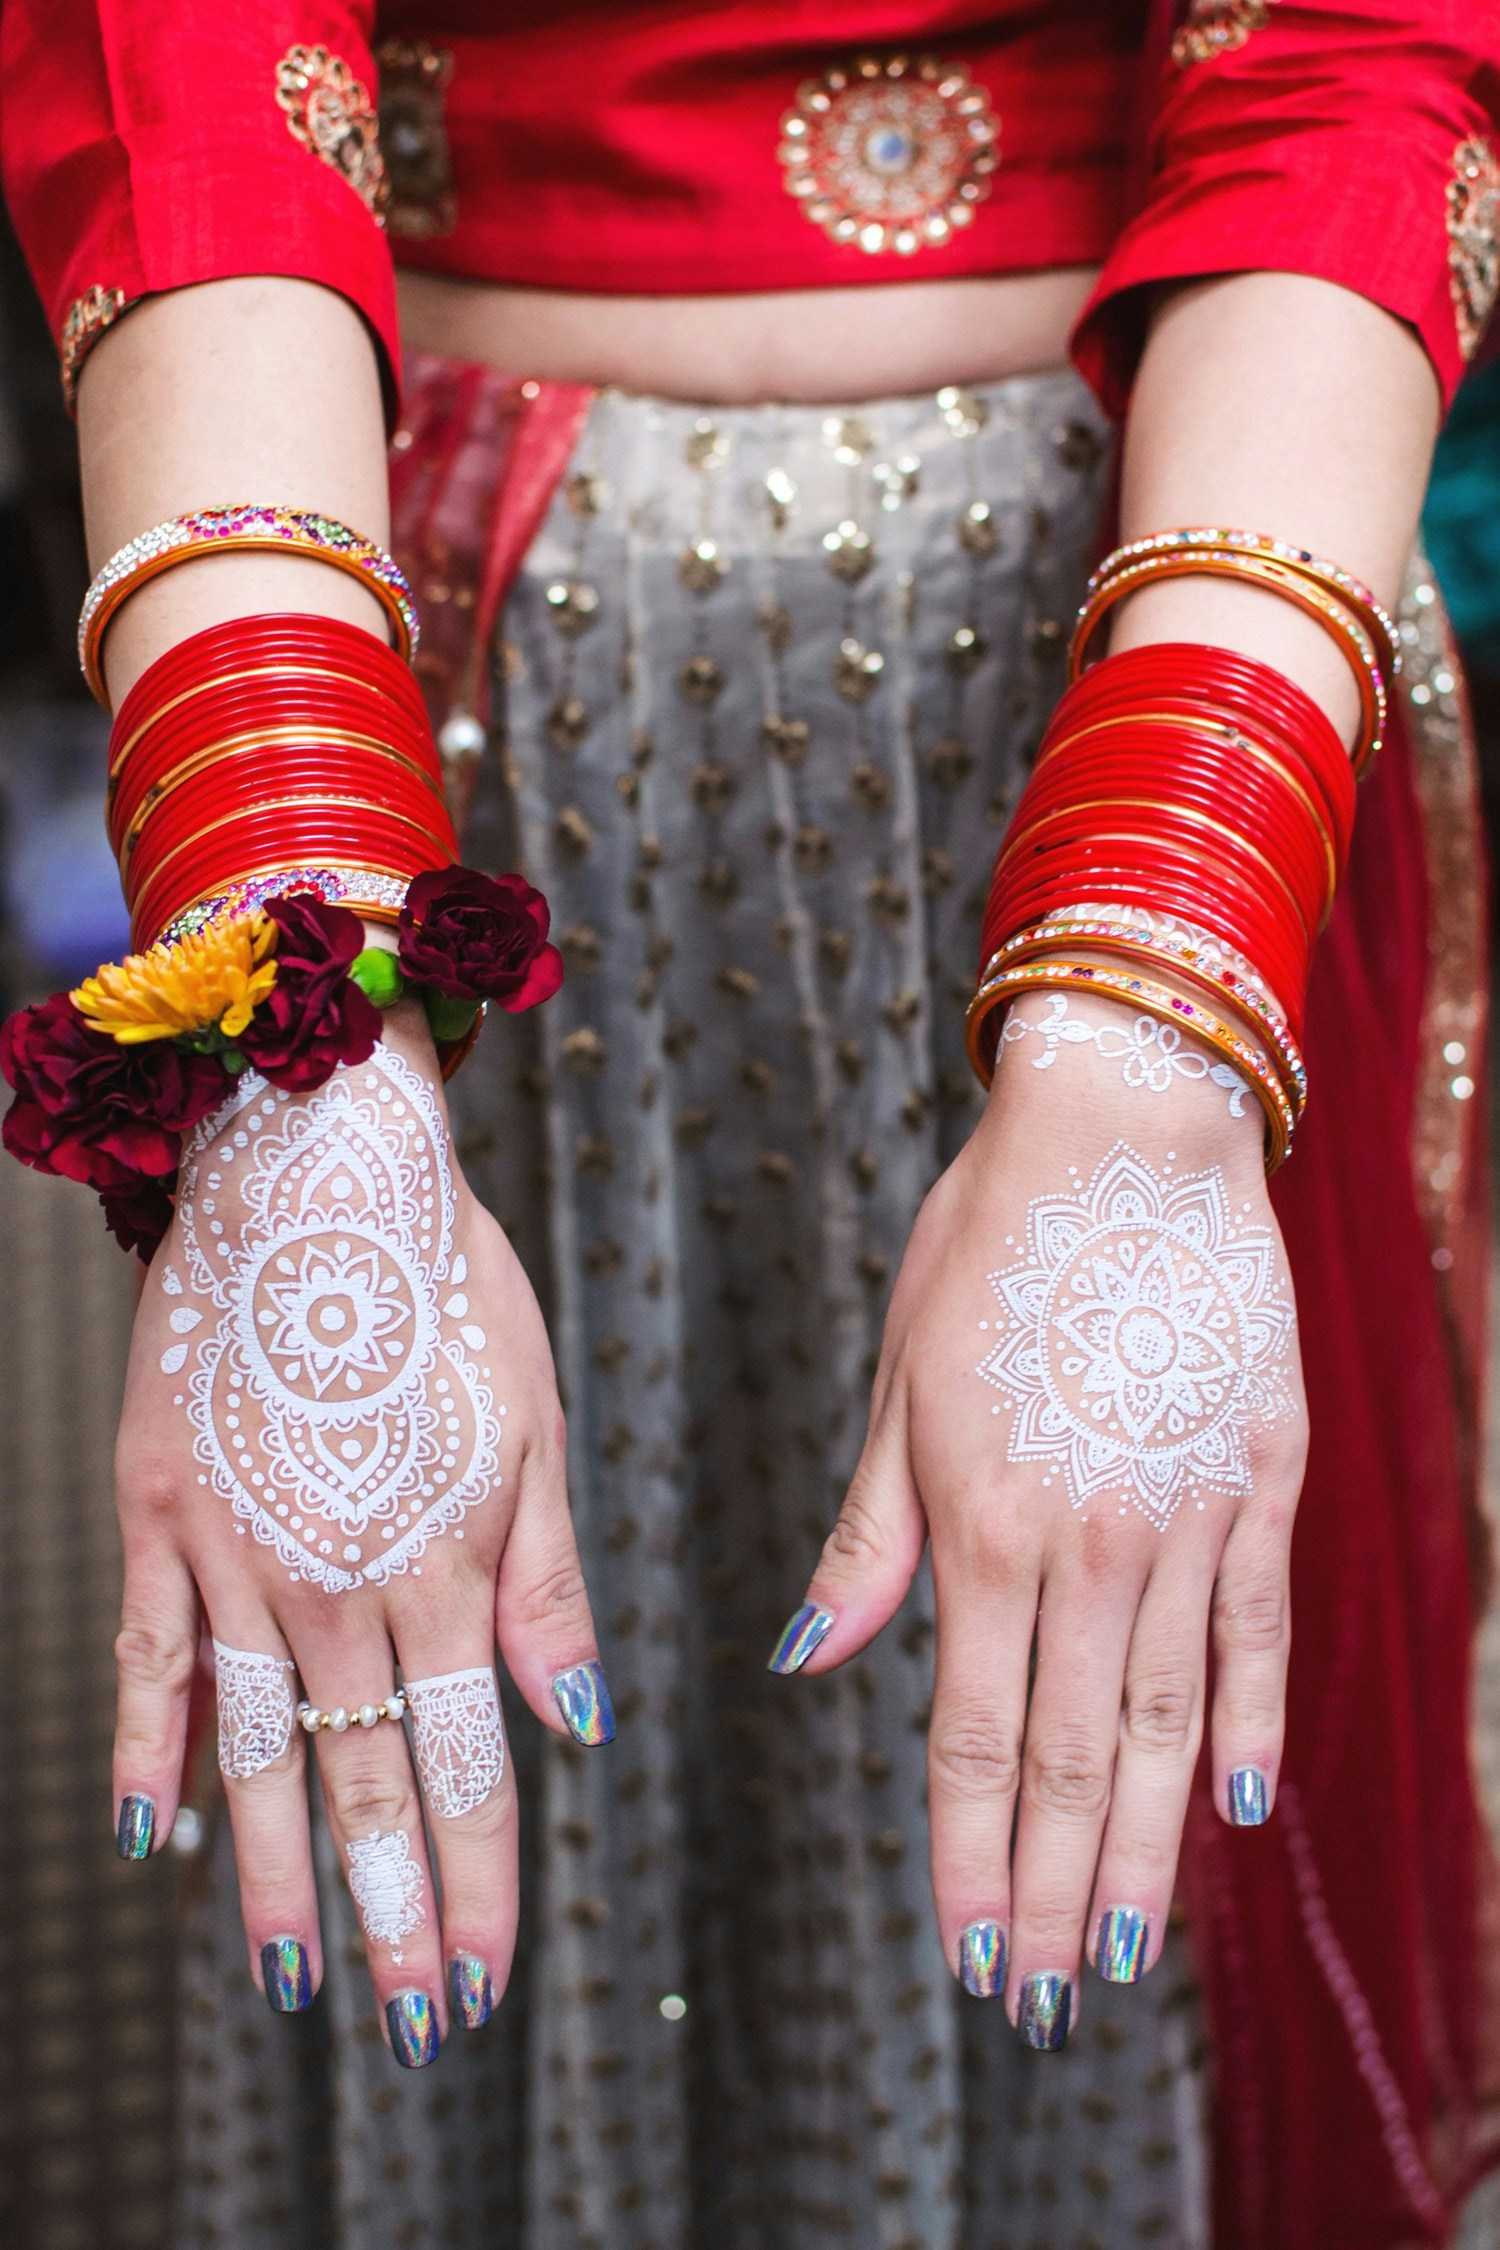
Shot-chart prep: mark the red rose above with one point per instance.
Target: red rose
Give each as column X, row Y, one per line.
column 478, row 937
column 92, row 1110
column 139, row 1217
column 314, row 1017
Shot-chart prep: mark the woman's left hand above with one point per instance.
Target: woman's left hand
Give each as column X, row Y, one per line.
column 1090, row 1398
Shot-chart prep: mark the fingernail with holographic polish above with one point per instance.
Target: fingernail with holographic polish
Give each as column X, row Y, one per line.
column 1045, row 2010
column 1247, row 1797
column 470, row 1991
column 1120, row 1956
column 981, row 1959
column 287, row 1974
column 137, row 1830
column 804, row 1632
column 582, row 1696
column 411, row 2021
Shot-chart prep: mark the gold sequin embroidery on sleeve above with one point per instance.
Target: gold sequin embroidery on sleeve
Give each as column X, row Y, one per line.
column 85, row 322
column 1473, row 238
column 414, row 80
column 330, row 112
column 1217, row 27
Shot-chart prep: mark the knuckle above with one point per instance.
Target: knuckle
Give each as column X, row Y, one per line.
column 1255, row 1622
column 148, row 1490
column 857, row 1541
column 154, row 1656
column 557, row 1595
column 367, row 1802
column 1068, row 1776
column 1163, row 1711
column 967, row 1756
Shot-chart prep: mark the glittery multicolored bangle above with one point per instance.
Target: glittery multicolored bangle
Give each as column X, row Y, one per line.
column 374, row 897
column 237, row 530
column 1152, row 999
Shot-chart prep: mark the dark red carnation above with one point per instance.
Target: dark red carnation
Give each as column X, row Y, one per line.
column 93, row 1110
column 314, row 1017
column 139, row 1217
column 478, row 937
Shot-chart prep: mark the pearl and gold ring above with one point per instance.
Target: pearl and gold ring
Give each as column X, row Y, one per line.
column 342, row 1716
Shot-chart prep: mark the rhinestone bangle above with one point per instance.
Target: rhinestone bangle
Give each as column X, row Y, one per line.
column 240, row 529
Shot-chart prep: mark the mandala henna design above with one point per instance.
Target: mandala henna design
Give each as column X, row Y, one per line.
column 1143, row 1338
column 387, row 1886
column 1154, row 1054
column 257, row 1709
column 339, row 1401
column 460, row 1742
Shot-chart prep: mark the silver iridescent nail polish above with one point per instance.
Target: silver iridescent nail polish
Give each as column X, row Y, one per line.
column 411, row 2020
column 470, row 1991
column 287, row 1974
column 137, row 1829
column 1120, row 1955
column 1045, row 2009
column 1247, row 1797
column 981, row 1959
column 582, row 1696
column 804, row 1632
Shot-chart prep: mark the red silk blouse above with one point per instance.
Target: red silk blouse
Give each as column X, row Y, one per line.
column 602, row 145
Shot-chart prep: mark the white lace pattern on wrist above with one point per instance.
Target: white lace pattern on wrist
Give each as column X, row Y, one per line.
column 1153, row 1053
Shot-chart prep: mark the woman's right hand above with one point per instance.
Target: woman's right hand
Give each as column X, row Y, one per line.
column 342, row 1446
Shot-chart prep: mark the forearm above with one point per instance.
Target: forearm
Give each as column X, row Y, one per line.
column 256, row 389
column 1272, row 403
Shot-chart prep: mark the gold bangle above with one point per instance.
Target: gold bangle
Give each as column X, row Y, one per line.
column 1179, row 812
column 1339, row 622
column 1243, row 743
column 1153, row 1000
column 247, row 529
column 319, row 803
column 1332, row 577
column 264, row 738
column 1259, row 1019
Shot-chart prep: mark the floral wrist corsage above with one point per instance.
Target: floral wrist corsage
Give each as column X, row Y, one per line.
column 108, row 1078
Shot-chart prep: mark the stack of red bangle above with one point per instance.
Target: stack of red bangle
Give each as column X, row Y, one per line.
column 1194, row 783
column 270, row 745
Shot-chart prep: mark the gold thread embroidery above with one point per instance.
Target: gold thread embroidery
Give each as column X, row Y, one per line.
column 1473, row 238
column 414, row 81
column 890, row 155
column 329, row 111
column 1217, row 27
column 84, row 323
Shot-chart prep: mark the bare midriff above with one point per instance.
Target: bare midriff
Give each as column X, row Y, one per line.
column 804, row 346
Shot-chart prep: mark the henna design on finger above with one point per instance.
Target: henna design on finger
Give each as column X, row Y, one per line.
column 459, row 1738
column 257, row 1710
column 388, row 1887
column 339, row 1401
column 1143, row 1338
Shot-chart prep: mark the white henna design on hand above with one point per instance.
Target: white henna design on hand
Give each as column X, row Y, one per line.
column 460, row 1742
column 1154, row 1054
column 1143, row 1337
column 387, row 1885
column 335, row 1402
column 257, row 1709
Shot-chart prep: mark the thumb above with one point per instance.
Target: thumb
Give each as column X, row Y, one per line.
column 869, row 1559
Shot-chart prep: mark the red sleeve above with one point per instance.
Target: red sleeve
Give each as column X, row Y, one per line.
column 150, row 144
column 1353, row 140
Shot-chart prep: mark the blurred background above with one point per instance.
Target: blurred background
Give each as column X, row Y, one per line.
column 87, row 1955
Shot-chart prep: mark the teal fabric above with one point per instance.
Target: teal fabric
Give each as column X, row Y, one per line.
column 1461, row 525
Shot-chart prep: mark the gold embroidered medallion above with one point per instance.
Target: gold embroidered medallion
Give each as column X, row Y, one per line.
column 890, row 155
column 329, row 111
column 414, row 80
column 1473, row 238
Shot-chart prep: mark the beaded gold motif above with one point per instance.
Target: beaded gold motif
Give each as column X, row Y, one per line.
column 414, row 81
column 329, row 111
column 890, row 155
column 1473, row 238
column 1217, row 27
column 86, row 320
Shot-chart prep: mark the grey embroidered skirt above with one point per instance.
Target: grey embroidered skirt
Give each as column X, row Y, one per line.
column 770, row 679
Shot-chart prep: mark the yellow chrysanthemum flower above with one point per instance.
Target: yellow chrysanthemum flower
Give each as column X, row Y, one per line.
column 211, row 980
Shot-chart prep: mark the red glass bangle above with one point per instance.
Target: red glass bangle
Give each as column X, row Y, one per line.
column 318, row 835
column 291, row 637
column 252, row 763
column 374, row 776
